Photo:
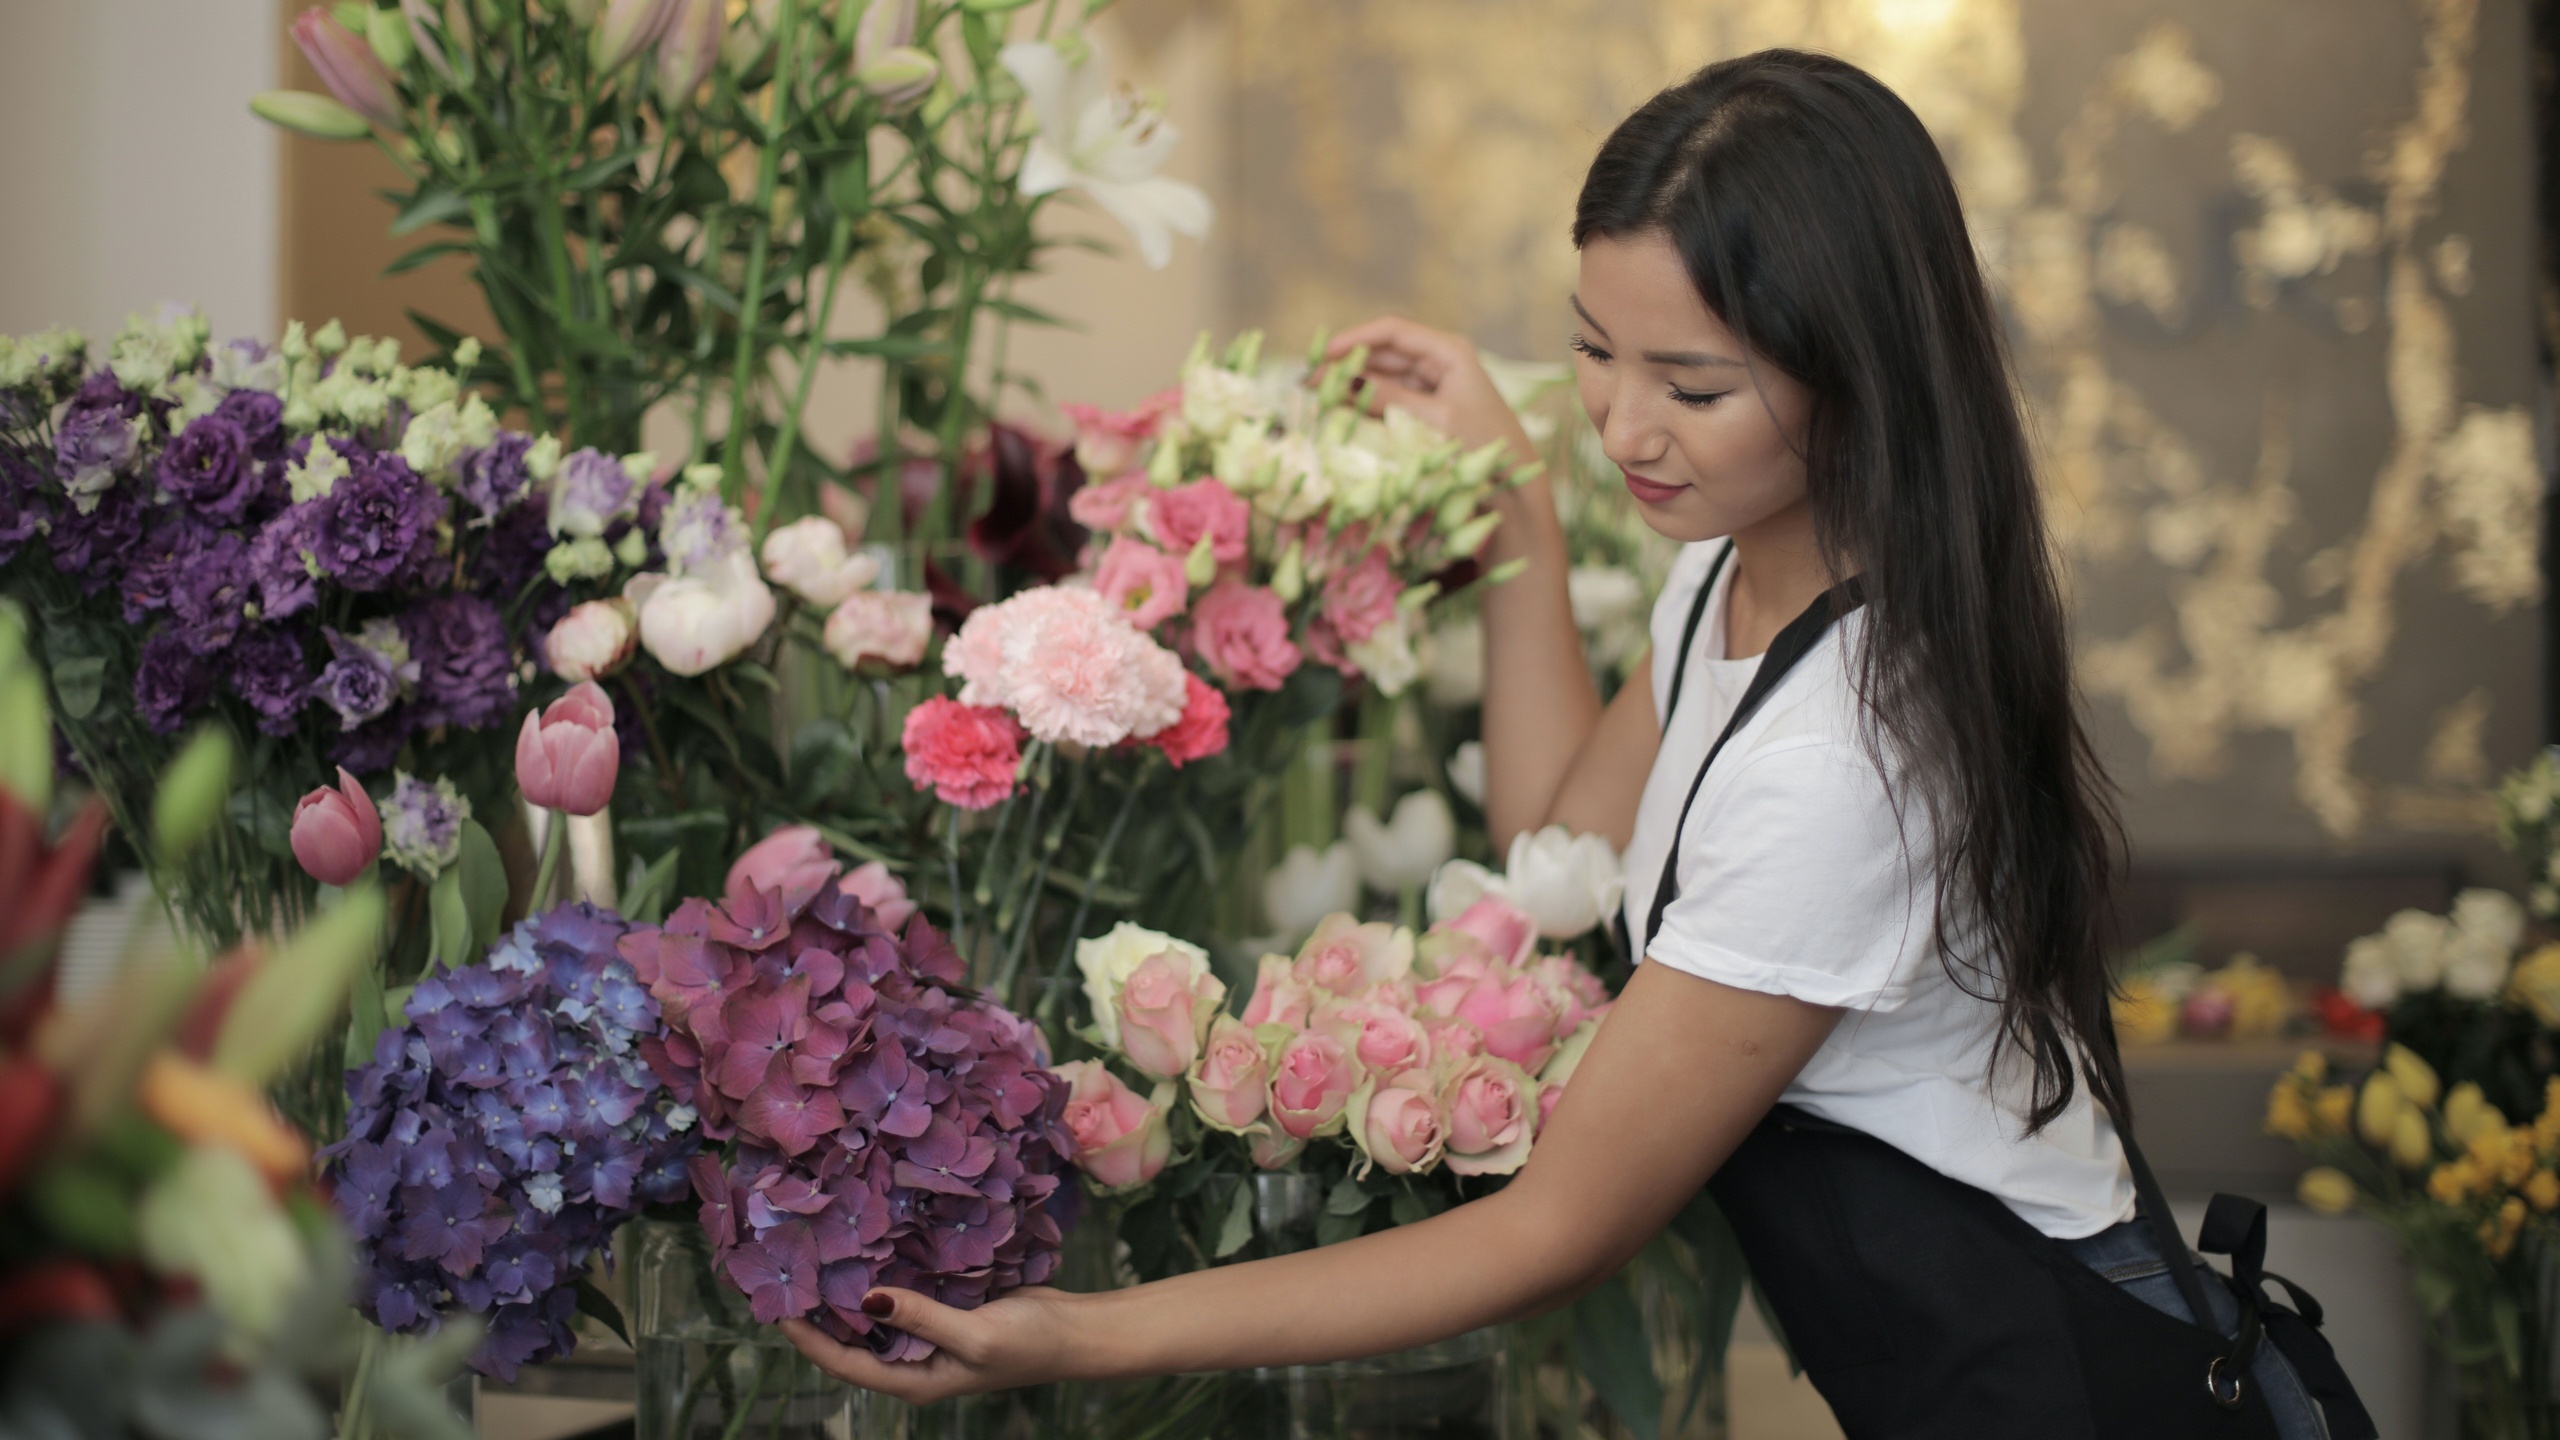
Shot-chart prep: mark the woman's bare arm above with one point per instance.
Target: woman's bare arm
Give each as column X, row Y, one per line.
column 1679, row 1073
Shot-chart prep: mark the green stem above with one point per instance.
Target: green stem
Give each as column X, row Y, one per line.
column 353, row 1423
column 746, row 1405
column 1049, row 844
column 951, row 861
column 1017, row 894
column 839, row 239
column 733, row 456
column 1084, row 900
column 555, row 840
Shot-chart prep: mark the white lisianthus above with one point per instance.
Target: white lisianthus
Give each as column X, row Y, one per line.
column 2370, row 977
column 1106, row 142
column 1217, row 401
column 433, row 442
column 1568, row 883
column 705, row 618
column 1386, row 656
column 316, row 473
column 807, row 557
column 1108, row 960
column 1308, row 884
column 1401, row 853
column 2417, row 942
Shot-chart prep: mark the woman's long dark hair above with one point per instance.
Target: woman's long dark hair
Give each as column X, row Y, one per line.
column 1814, row 214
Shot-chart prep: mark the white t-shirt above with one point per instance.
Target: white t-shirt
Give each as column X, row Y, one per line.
column 1798, row 878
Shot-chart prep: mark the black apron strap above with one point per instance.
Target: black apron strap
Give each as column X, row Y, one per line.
column 1689, row 634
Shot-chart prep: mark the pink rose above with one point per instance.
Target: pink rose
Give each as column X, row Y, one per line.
column 1278, row 998
column 1401, row 1129
column 1107, row 442
column 1242, row 632
column 568, row 755
column 1456, row 969
column 882, row 893
column 1165, row 1008
column 1451, row 1039
column 1181, row 515
column 793, row 860
column 1311, row 1080
column 1229, row 1087
column 1360, row 598
column 889, row 626
column 1142, row 582
column 337, row 832
column 1346, row 957
column 1492, row 1106
column 1507, row 930
column 1105, row 507
column 1516, row 1014
column 1387, row 1041
column 1122, row 1138
column 1202, row 730
column 967, row 754
column 1580, row 995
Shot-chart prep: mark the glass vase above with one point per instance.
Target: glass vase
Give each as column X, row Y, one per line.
column 709, row 1371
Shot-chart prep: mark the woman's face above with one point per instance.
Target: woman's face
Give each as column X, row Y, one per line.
column 1709, row 445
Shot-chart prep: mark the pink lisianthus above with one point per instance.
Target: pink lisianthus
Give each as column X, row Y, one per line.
column 1230, row 1086
column 1242, row 633
column 889, row 626
column 1361, row 597
column 1507, row 930
column 1311, row 1081
column 1400, row 1126
column 1279, row 998
column 1122, row 1138
column 1165, row 1007
column 1345, row 957
column 1181, row 515
column 1202, row 730
column 874, row 886
column 1105, row 507
column 1067, row 666
column 1108, row 441
column 794, row 860
column 1144, row 583
column 1492, row 1106
column 967, row 754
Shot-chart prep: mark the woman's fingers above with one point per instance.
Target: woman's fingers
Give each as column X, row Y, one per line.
column 855, row 1365
column 1382, row 391
column 1398, row 346
column 925, row 1318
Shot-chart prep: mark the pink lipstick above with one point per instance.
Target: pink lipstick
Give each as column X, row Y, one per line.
column 1651, row 492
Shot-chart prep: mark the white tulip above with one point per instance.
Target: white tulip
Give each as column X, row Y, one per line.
column 1307, row 885
column 1466, row 772
column 1401, row 854
column 1568, row 883
column 2490, row 916
column 807, row 557
column 1105, row 142
column 707, row 618
column 1459, row 884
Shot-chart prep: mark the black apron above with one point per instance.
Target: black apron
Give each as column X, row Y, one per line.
column 1923, row 1307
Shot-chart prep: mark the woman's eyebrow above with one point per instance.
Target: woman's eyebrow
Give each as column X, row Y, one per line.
column 1677, row 359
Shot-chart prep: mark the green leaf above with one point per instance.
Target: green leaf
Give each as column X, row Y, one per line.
column 76, row 683
column 483, row 885
column 1408, row 1209
column 86, row 1206
column 1614, row 1354
column 596, row 172
column 1238, row 1227
column 645, row 901
column 191, row 794
column 293, row 997
column 1332, row 1229
column 895, row 347
column 369, row 1014
column 431, row 205
column 1347, row 1198
column 424, row 255
column 754, row 674
column 1016, row 310
column 449, row 919
column 592, row 1301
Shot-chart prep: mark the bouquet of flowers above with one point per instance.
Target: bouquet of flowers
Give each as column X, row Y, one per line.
column 311, row 544
column 1394, row 1068
column 497, row 1139
column 2529, row 824
column 2459, row 990
column 877, row 1123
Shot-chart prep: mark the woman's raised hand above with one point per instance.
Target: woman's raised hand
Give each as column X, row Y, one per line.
column 1018, row 1340
column 1437, row 376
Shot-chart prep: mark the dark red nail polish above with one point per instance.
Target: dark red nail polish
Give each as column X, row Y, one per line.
column 876, row 1303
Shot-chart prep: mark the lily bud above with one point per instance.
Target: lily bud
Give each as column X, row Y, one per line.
column 690, row 49
column 304, row 113
column 349, row 68
column 192, row 792
column 899, row 76
column 388, row 37
column 624, row 28
column 423, row 16
column 1471, row 537
column 881, row 26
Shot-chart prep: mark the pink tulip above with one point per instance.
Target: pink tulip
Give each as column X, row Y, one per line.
column 1122, row 1138
column 1162, row 1019
column 1507, row 930
column 1492, row 1106
column 794, row 860
column 883, row 893
column 567, row 756
column 1403, row 1130
column 1311, row 1082
column 336, row 831
column 348, row 67
column 1228, row 1087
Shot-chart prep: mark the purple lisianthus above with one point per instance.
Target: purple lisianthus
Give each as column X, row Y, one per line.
column 451, row 1203
column 267, row 668
column 510, row 556
column 260, row 417
column 371, row 748
column 98, row 436
column 366, row 672
column 211, row 590
column 466, row 669
column 493, row 476
column 209, row 469
column 887, row 1127
column 378, row 525
column 696, row 528
column 22, row 506
column 590, row 493
column 94, row 545
column 284, row 562
column 151, row 570
column 170, row 683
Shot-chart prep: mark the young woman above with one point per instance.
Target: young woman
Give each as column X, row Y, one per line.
column 1868, row 850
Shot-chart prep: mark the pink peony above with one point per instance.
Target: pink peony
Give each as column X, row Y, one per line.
column 1181, row 515
column 1122, row 1139
column 1360, row 598
column 884, row 893
column 1402, row 1129
column 1278, row 998
column 1202, row 730
column 1311, row 1080
column 794, row 860
column 1242, row 632
column 1107, row 441
column 889, row 626
column 1228, row 1087
column 1067, row 666
column 1165, row 1008
column 1106, row 507
column 1507, row 930
column 1492, row 1106
column 1142, row 582
column 967, row 754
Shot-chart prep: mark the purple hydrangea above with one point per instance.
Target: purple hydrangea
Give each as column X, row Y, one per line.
column 466, row 669
column 494, row 475
column 267, row 667
column 208, row 468
column 171, row 682
column 377, row 526
column 499, row 1136
column 885, row 1126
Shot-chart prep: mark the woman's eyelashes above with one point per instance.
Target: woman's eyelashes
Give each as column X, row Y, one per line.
column 1694, row 399
column 1585, row 348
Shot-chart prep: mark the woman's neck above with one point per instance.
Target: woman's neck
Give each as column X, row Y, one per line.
column 1777, row 571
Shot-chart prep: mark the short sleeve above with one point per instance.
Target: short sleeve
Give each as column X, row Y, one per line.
column 1796, row 879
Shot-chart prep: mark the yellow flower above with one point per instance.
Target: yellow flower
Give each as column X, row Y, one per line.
column 2500, row 1235
column 2535, row 983
column 2450, row 1183
column 2411, row 1144
column 2326, row 1190
column 2543, row 1189
column 2417, row 1078
column 2335, row 1108
column 2288, row 1115
column 2378, row 1107
column 2144, row 1015
column 2468, row 1113
column 2311, row 1065
column 2261, row 1002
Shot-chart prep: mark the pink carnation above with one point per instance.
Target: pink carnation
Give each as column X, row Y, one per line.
column 1242, row 632
column 967, row 754
column 1181, row 515
column 1068, row 667
column 1360, row 598
column 1106, row 506
column 1143, row 581
column 1202, row 730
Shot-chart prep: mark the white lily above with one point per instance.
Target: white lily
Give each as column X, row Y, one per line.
column 1105, row 141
